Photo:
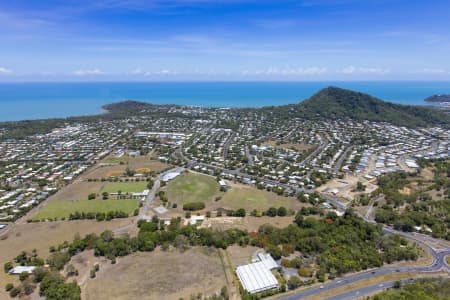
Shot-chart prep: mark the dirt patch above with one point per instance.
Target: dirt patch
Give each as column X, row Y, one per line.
column 241, row 255
column 298, row 147
column 159, row 275
column 248, row 223
column 77, row 191
column 405, row 191
column 140, row 164
column 252, row 224
column 41, row 236
column 427, row 174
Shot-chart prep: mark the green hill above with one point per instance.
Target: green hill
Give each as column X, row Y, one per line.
column 337, row 103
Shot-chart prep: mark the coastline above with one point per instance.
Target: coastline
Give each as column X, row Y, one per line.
column 33, row 101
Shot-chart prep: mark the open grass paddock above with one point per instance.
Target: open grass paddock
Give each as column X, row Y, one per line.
column 63, row 209
column 250, row 198
column 125, row 187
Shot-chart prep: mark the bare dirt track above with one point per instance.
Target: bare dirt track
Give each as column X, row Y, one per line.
column 159, row 275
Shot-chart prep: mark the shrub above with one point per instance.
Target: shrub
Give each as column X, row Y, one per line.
column 192, row 206
column 240, row 213
column 282, row 211
column 272, row 212
column 294, row 282
column 23, row 276
column 9, row 287
column 7, row 266
column 304, row 272
column 14, row 292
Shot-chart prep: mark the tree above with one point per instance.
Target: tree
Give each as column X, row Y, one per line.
column 23, row 276
column 91, row 196
column 9, row 286
column 272, row 212
column 360, row 187
column 193, row 206
column 57, row 260
column 7, row 266
column 282, row 211
column 14, row 292
column 274, row 250
column 107, row 236
column 294, row 282
column 240, row 213
column 299, row 219
column 129, row 172
column 304, row 272
column 27, row 288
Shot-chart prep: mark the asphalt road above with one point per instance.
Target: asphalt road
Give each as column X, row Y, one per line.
column 439, row 262
column 151, row 195
column 367, row 290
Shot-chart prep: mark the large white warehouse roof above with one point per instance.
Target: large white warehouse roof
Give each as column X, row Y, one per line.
column 256, row 277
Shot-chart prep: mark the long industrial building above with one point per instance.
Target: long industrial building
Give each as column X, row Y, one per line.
column 257, row 277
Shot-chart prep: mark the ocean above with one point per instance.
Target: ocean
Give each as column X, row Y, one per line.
column 19, row 101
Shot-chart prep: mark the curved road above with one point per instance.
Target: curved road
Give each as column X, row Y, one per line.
column 439, row 263
column 152, row 193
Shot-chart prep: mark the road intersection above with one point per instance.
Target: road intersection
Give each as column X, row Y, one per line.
column 439, row 255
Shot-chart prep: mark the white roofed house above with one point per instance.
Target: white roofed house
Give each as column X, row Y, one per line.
column 20, row 269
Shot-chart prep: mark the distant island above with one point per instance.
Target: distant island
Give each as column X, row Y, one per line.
column 438, row 99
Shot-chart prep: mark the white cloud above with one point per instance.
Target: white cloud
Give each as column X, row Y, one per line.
column 88, row 72
column 363, row 70
column 434, row 71
column 164, row 72
column 5, row 70
column 137, row 71
column 288, row 71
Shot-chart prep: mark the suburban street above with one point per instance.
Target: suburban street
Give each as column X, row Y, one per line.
column 151, row 195
column 439, row 263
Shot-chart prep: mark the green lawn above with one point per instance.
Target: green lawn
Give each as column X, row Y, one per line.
column 125, row 187
column 251, row 198
column 191, row 187
column 62, row 209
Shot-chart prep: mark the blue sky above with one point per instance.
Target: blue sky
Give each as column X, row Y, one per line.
column 93, row 40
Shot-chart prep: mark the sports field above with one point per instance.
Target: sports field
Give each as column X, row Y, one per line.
column 62, row 209
column 191, row 187
column 250, row 198
column 125, row 187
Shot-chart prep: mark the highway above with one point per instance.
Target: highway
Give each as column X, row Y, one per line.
column 438, row 264
column 367, row 290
